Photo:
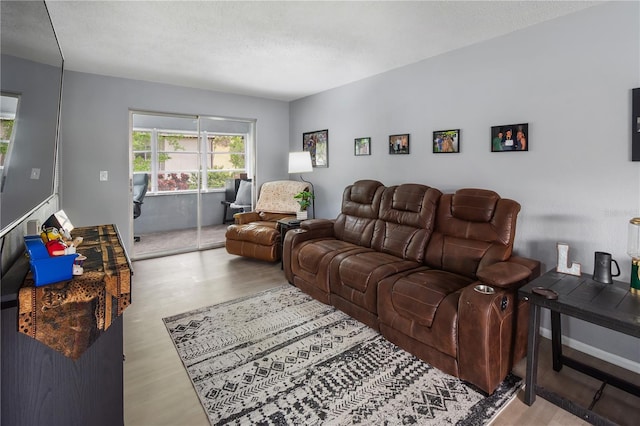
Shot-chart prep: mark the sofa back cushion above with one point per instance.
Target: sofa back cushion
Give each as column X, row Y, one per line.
column 474, row 228
column 277, row 196
column 360, row 206
column 406, row 220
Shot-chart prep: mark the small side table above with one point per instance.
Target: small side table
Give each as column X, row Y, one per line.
column 611, row 306
column 284, row 226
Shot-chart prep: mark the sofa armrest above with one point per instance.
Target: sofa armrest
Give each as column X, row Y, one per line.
column 245, row 217
column 533, row 265
column 492, row 335
column 309, row 230
column 504, row 274
column 318, row 224
column 291, row 239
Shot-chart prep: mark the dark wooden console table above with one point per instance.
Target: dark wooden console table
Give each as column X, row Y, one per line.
column 611, row 306
column 65, row 366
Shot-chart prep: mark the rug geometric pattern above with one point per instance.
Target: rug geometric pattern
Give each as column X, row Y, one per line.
column 283, row 358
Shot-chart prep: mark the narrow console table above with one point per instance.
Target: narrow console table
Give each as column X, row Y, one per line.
column 611, row 306
column 62, row 353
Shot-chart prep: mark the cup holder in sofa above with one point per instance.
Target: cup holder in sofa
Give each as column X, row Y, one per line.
column 484, row 289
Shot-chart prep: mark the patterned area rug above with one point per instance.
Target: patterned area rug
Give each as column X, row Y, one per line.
column 283, row 358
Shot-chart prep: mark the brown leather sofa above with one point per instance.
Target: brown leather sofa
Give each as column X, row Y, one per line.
column 406, row 260
column 255, row 234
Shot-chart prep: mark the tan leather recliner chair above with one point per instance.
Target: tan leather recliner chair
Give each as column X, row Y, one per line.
column 255, row 234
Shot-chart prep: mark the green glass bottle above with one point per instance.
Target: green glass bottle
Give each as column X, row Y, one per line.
column 633, row 250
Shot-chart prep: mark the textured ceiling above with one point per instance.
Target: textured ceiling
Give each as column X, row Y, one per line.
column 277, row 49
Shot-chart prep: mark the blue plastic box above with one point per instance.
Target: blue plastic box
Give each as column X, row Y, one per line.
column 47, row 269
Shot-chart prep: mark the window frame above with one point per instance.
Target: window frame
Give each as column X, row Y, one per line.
column 205, row 157
column 202, row 152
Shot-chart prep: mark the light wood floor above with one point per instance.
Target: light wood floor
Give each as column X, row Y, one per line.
column 158, row 391
column 156, row 244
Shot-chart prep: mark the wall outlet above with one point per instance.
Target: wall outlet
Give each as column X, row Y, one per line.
column 35, row 173
column 104, row 175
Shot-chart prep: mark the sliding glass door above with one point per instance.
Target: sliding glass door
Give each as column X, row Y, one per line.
column 189, row 161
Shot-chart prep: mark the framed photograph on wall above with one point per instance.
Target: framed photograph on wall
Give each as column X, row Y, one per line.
column 399, row 144
column 317, row 143
column 510, row 137
column 446, row 141
column 362, row 146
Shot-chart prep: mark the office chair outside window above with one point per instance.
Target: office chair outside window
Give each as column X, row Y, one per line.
column 140, row 186
column 237, row 197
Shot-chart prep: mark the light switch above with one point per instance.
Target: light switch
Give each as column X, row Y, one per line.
column 35, row 173
column 104, row 175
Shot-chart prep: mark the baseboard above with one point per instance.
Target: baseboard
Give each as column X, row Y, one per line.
column 595, row 352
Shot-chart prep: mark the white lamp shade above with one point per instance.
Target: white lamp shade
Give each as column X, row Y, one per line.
column 300, row 162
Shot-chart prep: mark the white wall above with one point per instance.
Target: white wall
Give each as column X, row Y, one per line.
column 95, row 136
column 570, row 79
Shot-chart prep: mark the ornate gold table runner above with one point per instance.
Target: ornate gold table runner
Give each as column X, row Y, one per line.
column 70, row 315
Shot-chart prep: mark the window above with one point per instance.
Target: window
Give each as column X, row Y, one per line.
column 7, row 120
column 225, row 158
column 175, row 157
column 6, row 129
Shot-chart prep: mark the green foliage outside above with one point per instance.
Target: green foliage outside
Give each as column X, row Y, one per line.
column 142, row 142
column 232, row 144
column 237, row 145
column 6, row 128
column 217, row 179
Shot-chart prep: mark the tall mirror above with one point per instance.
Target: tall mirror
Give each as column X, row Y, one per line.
column 31, row 66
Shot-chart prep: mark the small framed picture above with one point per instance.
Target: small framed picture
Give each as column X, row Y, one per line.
column 446, row 141
column 317, row 143
column 510, row 137
column 399, row 144
column 362, row 146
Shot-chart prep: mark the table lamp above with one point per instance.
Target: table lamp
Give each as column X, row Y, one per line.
column 300, row 162
column 633, row 250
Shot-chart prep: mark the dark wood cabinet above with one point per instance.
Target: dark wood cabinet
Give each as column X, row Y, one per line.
column 40, row 386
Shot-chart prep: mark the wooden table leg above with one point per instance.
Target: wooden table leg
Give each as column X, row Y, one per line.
column 532, row 355
column 556, row 340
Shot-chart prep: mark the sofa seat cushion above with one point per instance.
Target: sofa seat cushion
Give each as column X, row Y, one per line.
column 417, row 296
column 355, row 277
column 261, row 233
column 313, row 255
column 312, row 259
column 422, row 305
